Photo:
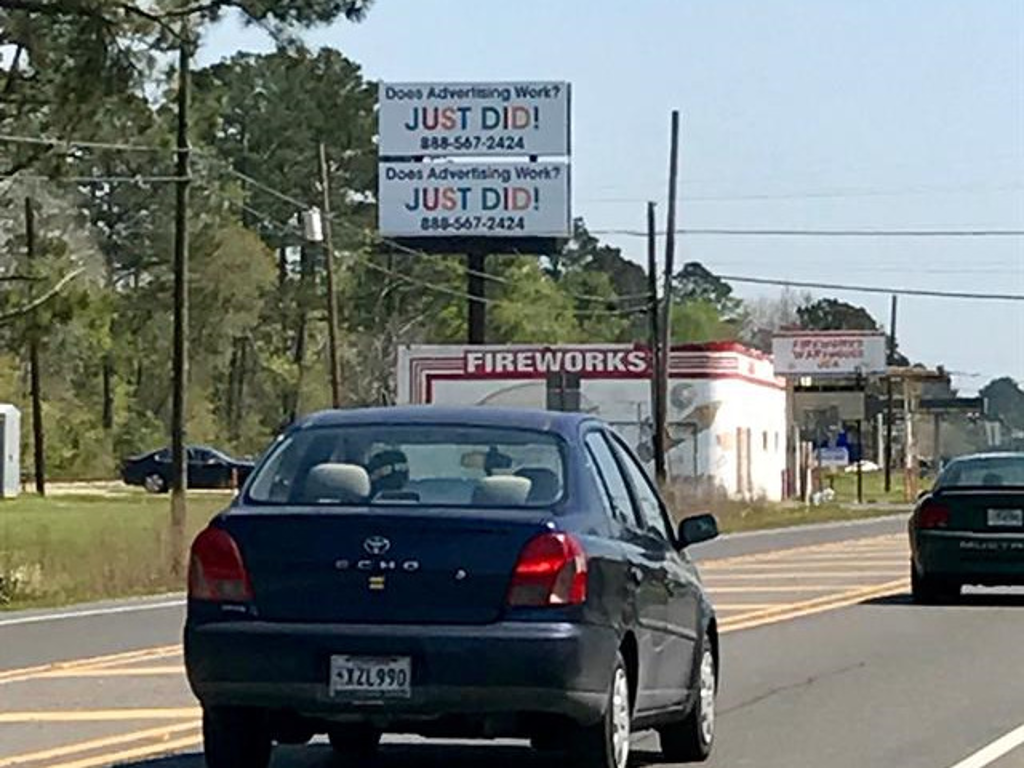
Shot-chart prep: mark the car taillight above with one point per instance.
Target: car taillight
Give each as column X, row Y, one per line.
column 552, row 570
column 216, row 571
column 933, row 515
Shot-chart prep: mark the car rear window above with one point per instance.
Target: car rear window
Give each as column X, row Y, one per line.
column 987, row 472
column 417, row 465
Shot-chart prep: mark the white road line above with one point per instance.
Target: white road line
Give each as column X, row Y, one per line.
column 988, row 755
column 82, row 614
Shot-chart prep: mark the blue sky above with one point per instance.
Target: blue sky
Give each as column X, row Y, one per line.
column 796, row 113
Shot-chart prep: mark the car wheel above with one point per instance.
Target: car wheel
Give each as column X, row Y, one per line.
column 354, row 742
column 236, row 738
column 155, row 483
column 606, row 743
column 930, row 591
column 690, row 740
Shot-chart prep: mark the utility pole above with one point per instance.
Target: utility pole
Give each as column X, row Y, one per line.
column 657, row 404
column 476, row 287
column 179, row 458
column 332, row 296
column 670, row 255
column 38, row 445
column 889, row 411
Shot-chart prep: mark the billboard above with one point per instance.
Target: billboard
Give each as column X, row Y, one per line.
column 447, row 119
column 829, row 353
column 474, row 199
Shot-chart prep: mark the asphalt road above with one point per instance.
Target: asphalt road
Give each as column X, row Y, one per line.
column 826, row 665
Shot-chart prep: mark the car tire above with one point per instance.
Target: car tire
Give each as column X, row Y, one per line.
column 605, row 744
column 355, row 743
column 155, row 483
column 931, row 591
column 691, row 739
column 236, row 738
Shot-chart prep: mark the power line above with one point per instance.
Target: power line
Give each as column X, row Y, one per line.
column 823, row 232
column 395, row 245
column 822, row 194
column 82, row 144
column 874, row 289
column 291, row 228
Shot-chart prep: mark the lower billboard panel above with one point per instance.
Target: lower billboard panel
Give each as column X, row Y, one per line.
column 491, row 200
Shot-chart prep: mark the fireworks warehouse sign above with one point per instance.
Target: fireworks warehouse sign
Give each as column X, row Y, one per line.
column 475, row 161
column 829, row 353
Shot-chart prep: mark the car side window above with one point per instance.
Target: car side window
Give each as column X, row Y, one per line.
column 649, row 504
column 611, row 476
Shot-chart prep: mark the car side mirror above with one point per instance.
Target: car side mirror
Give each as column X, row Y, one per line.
column 698, row 528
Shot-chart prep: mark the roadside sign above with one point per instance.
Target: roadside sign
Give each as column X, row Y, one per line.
column 974, row 405
column 829, row 353
column 471, row 199
column 833, row 457
column 474, row 119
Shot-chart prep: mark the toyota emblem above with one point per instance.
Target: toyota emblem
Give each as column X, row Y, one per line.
column 377, row 545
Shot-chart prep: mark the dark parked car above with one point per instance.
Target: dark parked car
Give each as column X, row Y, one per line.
column 207, row 468
column 470, row 573
column 970, row 528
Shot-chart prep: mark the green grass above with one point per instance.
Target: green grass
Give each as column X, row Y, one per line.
column 845, row 486
column 735, row 516
column 67, row 549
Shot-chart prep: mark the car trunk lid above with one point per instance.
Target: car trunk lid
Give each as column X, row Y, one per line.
column 382, row 565
column 984, row 510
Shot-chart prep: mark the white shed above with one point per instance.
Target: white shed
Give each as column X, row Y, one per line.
column 10, row 451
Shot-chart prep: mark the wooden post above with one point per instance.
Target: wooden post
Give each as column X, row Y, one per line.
column 38, row 442
column 657, row 354
column 332, row 294
column 665, row 354
column 889, row 414
column 179, row 459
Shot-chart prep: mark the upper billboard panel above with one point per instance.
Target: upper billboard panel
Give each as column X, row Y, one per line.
column 829, row 353
column 473, row 119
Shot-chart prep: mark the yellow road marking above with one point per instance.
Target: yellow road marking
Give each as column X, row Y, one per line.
column 812, row 575
column 811, row 607
column 838, row 562
column 780, row 588
column 99, row 715
column 112, row 758
column 115, row 672
column 95, row 662
column 163, row 733
column 879, row 544
column 742, row 607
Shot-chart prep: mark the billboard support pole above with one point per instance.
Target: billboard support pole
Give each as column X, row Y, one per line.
column 670, row 253
column 657, row 404
column 476, row 266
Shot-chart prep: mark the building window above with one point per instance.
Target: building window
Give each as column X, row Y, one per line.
column 776, row 442
column 764, row 441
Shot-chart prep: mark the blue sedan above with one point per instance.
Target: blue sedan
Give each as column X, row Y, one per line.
column 457, row 573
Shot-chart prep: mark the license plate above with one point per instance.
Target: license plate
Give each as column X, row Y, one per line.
column 1006, row 517
column 371, row 677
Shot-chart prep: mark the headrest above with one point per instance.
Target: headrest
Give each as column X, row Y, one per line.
column 343, row 483
column 502, row 490
column 544, row 484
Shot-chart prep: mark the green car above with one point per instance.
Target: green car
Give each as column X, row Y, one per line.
column 969, row 529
